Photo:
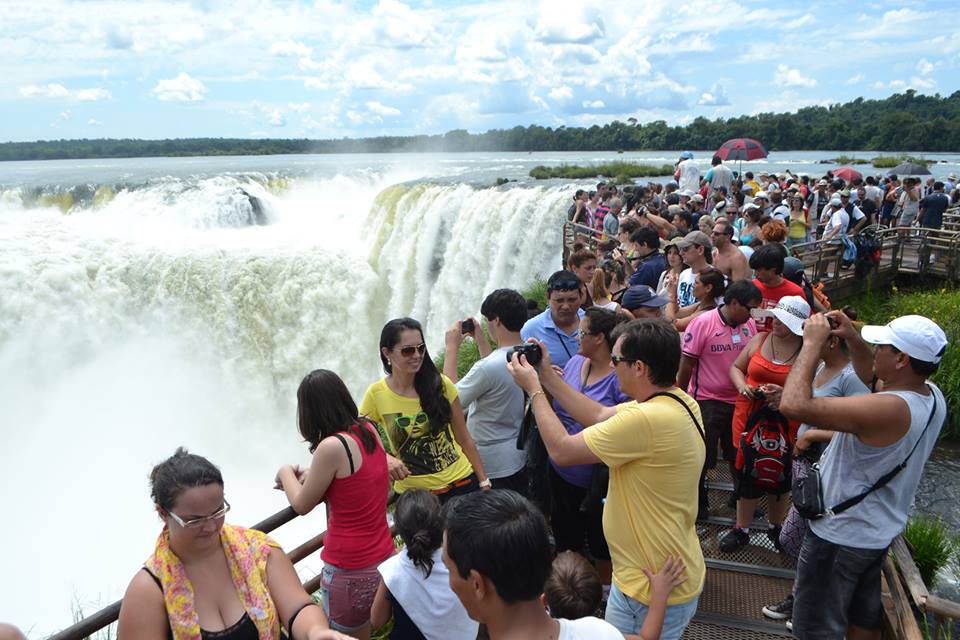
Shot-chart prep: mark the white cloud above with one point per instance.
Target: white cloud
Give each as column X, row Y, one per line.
column 298, row 107
column 93, row 122
column 183, row 88
column 787, row 77
column 924, row 67
column 93, row 95
column 394, row 24
column 381, row 109
column 276, row 118
column 789, row 101
column 565, row 21
column 289, row 48
column 593, row 104
column 64, row 115
column 715, row 97
column 44, row 91
column 855, row 79
column 561, row 93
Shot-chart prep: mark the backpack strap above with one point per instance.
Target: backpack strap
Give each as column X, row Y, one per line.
column 890, row 475
column 683, row 404
column 346, row 447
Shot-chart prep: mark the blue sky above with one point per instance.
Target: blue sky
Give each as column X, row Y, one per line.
column 327, row 69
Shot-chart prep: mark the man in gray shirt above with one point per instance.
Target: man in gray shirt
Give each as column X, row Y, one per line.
column 838, row 572
column 494, row 403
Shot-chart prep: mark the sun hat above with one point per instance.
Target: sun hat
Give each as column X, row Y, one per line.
column 762, row 194
column 640, row 295
column 835, row 201
column 916, row 336
column 790, row 310
column 822, row 183
column 695, row 237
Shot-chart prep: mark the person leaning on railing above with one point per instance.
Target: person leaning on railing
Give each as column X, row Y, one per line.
column 349, row 473
column 206, row 578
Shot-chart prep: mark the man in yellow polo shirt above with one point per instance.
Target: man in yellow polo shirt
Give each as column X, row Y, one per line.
column 655, row 450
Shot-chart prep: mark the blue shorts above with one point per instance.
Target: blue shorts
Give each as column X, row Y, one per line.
column 627, row 615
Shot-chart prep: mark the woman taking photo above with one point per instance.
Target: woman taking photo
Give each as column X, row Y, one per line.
column 207, row 579
column 349, row 472
column 419, row 411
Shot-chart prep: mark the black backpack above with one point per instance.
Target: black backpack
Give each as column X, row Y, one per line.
column 765, row 454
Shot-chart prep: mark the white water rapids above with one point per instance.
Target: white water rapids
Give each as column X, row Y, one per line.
column 156, row 315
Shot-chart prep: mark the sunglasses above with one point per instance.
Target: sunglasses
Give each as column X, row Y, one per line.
column 199, row 522
column 581, row 334
column 405, row 421
column 618, row 359
column 409, row 350
column 565, row 285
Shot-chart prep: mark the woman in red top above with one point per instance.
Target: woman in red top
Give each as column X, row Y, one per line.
column 349, row 472
column 763, row 366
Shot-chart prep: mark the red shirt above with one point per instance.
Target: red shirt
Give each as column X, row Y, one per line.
column 358, row 535
column 771, row 296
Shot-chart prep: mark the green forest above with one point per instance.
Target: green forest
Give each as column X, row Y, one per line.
column 904, row 121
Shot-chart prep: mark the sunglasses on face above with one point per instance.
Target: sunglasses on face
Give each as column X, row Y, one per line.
column 618, row 359
column 565, row 285
column 409, row 350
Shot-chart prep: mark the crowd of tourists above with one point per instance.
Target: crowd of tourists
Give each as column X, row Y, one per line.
column 561, row 477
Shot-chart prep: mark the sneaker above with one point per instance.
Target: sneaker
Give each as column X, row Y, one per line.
column 780, row 611
column 789, row 625
column 774, row 534
column 733, row 540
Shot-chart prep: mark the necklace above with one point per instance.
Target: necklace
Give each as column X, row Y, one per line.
column 773, row 347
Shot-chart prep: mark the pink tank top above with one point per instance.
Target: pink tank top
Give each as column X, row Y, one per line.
column 358, row 535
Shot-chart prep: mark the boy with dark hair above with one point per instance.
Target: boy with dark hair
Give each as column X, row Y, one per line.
column 767, row 264
column 649, row 262
column 494, row 404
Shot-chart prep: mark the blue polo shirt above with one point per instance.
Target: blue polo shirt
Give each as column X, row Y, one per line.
column 648, row 271
column 561, row 346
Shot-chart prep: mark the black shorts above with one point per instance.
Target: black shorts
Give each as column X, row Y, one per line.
column 717, row 426
column 836, row 586
column 572, row 525
column 745, row 488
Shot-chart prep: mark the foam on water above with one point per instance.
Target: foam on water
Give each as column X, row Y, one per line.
column 158, row 317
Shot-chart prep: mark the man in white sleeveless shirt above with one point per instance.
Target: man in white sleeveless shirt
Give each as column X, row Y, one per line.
column 838, row 585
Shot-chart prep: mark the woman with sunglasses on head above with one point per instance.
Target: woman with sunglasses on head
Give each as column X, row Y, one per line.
column 207, row 579
column 349, row 473
column 418, row 409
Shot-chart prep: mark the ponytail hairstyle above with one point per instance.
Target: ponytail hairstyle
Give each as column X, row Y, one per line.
column 181, row 471
column 419, row 520
column 427, row 382
column 600, row 279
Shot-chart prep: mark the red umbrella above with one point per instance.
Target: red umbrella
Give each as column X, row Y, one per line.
column 741, row 149
column 846, row 173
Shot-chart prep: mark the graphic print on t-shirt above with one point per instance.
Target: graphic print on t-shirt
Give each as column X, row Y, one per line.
column 420, row 450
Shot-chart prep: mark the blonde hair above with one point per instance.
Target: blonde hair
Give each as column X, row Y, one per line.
column 599, row 284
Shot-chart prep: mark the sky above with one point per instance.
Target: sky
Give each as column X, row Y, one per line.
column 328, row 69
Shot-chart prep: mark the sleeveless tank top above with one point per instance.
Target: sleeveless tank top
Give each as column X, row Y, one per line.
column 760, row 371
column 358, row 535
column 849, row 467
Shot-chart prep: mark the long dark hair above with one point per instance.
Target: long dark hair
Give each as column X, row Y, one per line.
column 427, row 381
column 419, row 520
column 324, row 407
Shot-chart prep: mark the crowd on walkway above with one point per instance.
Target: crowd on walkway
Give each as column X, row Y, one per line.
column 562, row 475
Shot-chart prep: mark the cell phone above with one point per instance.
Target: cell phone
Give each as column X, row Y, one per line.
column 467, row 326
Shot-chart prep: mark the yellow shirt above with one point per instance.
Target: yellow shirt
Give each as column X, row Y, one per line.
column 655, row 454
column 798, row 225
column 434, row 460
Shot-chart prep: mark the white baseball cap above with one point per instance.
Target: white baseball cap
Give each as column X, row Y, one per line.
column 790, row 310
column 916, row 336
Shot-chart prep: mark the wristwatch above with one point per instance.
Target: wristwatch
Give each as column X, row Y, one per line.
column 486, row 484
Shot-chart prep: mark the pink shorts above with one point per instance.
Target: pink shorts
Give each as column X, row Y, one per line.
column 348, row 595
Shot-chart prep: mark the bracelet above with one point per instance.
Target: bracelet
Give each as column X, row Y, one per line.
column 485, row 483
column 533, row 395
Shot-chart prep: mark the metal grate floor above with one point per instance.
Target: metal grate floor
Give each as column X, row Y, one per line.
column 741, row 595
column 759, row 553
column 703, row 630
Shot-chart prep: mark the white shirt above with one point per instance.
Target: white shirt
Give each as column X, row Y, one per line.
column 685, row 296
column 689, row 176
column 588, row 628
column 838, row 218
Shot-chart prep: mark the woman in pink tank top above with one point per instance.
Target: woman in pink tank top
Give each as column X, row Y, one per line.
column 349, row 473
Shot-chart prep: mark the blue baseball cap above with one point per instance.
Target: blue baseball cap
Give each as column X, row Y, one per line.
column 640, row 295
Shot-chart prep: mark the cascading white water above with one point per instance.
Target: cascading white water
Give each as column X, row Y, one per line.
column 159, row 317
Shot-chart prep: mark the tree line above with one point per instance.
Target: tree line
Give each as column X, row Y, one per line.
column 903, row 121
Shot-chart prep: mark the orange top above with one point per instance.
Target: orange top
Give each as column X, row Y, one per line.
column 760, row 371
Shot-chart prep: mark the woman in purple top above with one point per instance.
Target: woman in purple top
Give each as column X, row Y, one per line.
column 590, row 372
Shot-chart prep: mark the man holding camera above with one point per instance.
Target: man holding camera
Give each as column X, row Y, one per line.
column 655, row 450
column 494, row 403
column 870, row 472
column 557, row 327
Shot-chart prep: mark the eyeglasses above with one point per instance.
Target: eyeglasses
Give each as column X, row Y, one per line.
column 199, row 522
column 581, row 334
column 409, row 350
column 405, row 421
column 618, row 359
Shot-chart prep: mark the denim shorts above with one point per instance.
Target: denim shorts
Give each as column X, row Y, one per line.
column 627, row 615
column 348, row 595
column 836, row 587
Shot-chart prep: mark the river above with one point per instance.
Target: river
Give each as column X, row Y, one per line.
column 143, row 307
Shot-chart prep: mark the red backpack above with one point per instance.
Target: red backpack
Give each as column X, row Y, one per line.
column 765, row 452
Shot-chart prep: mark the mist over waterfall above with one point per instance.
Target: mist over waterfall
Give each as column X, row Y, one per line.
column 137, row 317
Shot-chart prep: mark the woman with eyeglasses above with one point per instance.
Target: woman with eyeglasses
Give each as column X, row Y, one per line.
column 208, row 579
column 349, row 473
column 418, row 409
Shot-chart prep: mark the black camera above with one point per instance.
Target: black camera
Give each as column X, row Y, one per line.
column 531, row 350
column 467, row 326
column 758, row 394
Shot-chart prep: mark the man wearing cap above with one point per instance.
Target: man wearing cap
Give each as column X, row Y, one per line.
column 643, row 302
column 857, row 217
column 838, row 572
column 688, row 173
column 836, row 218
column 726, row 256
column 779, row 210
column 697, row 252
column 711, row 343
column 559, row 324
column 762, row 200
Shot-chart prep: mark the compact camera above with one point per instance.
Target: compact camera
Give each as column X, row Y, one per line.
column 467, row 326
column 530, row 350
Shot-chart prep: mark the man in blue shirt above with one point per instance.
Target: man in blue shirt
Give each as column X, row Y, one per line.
column 559, row 324
column 649, row 262
column 932, row 208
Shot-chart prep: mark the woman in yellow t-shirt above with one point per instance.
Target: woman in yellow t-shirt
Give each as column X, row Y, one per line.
column 417, row 408
column 797, row 233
